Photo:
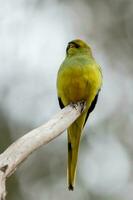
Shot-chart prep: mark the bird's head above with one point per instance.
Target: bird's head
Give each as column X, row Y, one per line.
column 77, row 46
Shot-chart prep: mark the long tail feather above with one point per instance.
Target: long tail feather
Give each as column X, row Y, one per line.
column 74, row 135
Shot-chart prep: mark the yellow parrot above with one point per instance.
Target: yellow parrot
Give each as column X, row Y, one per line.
column 79, row 79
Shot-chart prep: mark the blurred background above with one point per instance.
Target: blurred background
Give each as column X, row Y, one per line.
column 33, row 39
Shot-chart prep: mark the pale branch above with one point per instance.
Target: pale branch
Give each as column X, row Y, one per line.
column 17, row 152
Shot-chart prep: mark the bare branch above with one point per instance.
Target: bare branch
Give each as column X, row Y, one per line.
column 2, row 186
column 17, row 152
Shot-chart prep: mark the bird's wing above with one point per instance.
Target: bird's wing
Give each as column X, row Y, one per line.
column 61, row 103
column 91, row 108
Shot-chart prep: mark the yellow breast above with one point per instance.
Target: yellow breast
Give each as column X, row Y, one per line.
column 78, row 83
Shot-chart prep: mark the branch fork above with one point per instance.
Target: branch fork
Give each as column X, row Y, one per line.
column 17, row 152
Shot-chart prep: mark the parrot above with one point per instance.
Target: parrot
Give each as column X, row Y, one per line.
column 79, row 78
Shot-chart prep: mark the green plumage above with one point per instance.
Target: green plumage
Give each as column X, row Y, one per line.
column 79, row 78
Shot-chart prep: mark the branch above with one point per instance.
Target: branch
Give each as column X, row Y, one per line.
column 17, row 152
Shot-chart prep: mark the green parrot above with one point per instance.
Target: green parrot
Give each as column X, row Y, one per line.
column 79, row 79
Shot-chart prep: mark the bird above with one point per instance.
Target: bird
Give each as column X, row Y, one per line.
column 79, row 78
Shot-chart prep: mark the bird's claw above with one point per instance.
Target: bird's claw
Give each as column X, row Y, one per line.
column 81, row 103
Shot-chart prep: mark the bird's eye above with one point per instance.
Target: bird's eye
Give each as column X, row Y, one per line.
column 77, row 45
column 72, row 45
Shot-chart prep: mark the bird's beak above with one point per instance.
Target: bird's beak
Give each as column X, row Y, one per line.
column 70, row 45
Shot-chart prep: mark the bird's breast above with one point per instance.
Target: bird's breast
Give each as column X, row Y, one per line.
column 78, row 83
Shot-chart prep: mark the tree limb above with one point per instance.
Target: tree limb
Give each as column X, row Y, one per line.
column 17, row 152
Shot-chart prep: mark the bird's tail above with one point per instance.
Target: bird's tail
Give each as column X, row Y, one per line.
column 74, row 135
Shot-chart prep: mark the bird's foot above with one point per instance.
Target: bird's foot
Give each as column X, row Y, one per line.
column 81, row 103
column 73, row 105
